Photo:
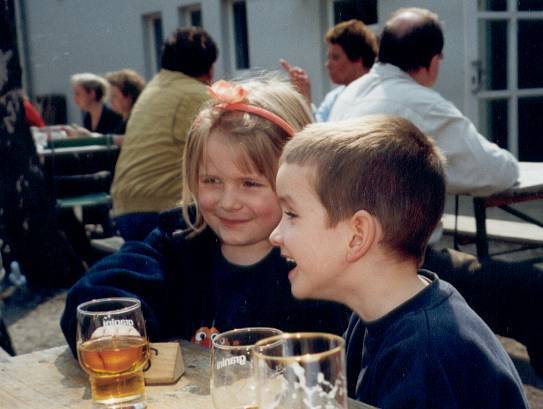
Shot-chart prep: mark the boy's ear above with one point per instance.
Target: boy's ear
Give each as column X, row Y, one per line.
column 365, row 231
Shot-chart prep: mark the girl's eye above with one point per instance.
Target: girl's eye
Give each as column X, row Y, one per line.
column 209, row 180
column 251, row 183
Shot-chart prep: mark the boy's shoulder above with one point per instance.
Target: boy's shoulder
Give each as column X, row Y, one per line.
column 437, row 338
column 441, row 318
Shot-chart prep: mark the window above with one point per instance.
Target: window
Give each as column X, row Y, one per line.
column 153, row 38
column 241, row 41
column 190, row 16
column 365, row 10
column 507, row 96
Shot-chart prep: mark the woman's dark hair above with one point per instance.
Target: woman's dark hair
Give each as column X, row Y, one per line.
column 356, row 39
column 191, row 51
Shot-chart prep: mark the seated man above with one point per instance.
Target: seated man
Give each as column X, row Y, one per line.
column 352, row 48
column 148, row 171
column 506, row 296
column 412, row 341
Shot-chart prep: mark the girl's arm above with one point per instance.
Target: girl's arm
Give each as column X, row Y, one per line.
column 137, row 270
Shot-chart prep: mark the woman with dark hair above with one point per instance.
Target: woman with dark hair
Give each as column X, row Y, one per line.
column 125, row 88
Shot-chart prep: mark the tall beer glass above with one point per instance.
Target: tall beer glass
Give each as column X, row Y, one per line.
column 112, row 347
column 301, row 371
column 232, row 383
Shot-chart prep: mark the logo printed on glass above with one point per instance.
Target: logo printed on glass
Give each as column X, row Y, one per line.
column 236, row 360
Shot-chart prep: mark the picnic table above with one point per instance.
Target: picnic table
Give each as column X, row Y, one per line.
column 79, row 172
column 52, row 378
column 528, row 188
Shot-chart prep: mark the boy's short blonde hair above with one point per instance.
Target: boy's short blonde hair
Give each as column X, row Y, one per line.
column 91, row 82
column 382, row 164
column 259, row 141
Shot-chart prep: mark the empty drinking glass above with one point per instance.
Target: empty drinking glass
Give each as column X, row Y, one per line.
column 232, row 383
column 301, row 371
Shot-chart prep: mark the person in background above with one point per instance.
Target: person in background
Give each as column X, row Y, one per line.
column 33, row 117
column 412, row 341
column 352, row 48
column 126, row 86
column 90, row 93
column 214, row 269
column 148, row 172
column 506, row 295
column 29, row 231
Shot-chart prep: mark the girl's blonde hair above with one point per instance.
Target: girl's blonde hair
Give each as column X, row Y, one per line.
column 259, row 141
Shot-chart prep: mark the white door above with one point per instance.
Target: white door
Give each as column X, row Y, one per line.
column 505, row 52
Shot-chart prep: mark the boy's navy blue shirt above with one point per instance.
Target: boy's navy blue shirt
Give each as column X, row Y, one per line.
column 185, row 283
column 433, row 351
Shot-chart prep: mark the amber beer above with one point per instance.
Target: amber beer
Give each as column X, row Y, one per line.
column 115, row 366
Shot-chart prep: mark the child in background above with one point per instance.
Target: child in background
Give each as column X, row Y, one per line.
column 217, row 268
column 372, row 190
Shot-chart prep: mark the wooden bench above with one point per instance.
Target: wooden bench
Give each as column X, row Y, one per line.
column 496, row 229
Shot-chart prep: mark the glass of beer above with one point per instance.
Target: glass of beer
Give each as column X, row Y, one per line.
column 301, row 371
column 232, row 384
column 112, row 347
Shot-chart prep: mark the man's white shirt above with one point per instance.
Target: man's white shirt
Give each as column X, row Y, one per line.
column 475, row 166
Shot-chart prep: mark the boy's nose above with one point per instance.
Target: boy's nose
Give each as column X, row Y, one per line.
column 275, row 237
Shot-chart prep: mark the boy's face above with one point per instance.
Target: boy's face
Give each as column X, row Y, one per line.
column 240, row 207
column 305, row 236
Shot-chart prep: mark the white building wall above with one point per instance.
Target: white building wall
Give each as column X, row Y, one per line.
column 290, row 29
column 66, row 37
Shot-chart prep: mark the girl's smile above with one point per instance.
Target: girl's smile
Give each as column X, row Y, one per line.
column 239, row 205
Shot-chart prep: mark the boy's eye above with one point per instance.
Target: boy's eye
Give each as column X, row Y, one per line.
column 290, row 214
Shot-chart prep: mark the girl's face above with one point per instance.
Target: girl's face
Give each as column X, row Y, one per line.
column 240, row 207
column 82, row 98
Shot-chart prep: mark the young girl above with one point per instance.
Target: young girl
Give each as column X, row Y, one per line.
column 215, row 269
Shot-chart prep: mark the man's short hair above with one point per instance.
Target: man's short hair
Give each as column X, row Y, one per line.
column 191, row 51
column 356, row 39
column 379, row 163
column 410, row 45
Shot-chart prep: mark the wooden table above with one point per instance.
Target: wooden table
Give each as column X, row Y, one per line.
column 77, row 150
column 529, row 187
column 52, row 378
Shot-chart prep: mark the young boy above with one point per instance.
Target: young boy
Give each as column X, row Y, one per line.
column 360, row 200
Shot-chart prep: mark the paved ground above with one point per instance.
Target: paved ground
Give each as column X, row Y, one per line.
column 33, row 319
